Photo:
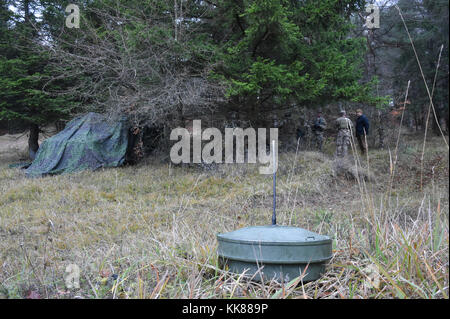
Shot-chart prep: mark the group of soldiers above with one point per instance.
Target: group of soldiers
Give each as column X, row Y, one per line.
column 345, row 129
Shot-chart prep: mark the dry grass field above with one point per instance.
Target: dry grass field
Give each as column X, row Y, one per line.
column 148, row 231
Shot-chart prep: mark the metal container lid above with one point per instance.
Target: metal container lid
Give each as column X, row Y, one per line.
column 273, row 234
column 274, row 244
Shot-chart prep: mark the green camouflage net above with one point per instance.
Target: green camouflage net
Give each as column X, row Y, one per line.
column 87, row 142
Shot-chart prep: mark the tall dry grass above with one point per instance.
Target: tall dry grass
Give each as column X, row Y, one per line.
column 149, row 231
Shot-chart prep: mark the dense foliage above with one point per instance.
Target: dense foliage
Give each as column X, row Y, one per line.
column 163, row 62
column 24, row 70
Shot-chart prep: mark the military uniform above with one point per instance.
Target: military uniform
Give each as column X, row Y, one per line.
column 345, row 127
column 318, row 128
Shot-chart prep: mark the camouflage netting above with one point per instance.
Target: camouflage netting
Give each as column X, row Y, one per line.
column 87, row 142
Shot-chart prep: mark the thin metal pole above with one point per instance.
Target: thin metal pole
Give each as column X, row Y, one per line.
column 274, row 215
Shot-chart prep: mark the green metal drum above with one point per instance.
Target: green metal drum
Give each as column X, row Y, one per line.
column 275, row 252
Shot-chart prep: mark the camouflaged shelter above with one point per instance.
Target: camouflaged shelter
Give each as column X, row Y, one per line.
column 89, row 141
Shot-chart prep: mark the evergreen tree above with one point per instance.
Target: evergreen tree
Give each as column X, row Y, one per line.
column 23, row 73
column 292, row 53
column 156, row 60
column 427, row 23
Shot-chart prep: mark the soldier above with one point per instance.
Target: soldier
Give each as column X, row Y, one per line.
column 345, row 127
column 318, row 128
column 362, row 130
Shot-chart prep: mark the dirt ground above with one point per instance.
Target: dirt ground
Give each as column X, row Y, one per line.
column 14, row 147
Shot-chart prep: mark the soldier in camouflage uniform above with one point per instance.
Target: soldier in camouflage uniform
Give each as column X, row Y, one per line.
column 318, row 128
column 303, row 134
column 345, row 128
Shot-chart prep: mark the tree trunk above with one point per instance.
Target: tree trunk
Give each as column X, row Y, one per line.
column 33, row 141
column 436, row 125
column 415, row 121
column 447, row 129
column 381, row 130
column 26, row 8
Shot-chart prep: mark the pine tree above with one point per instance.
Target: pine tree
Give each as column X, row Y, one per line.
column 427, row 23
column 292, row 53
column 23, row 73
